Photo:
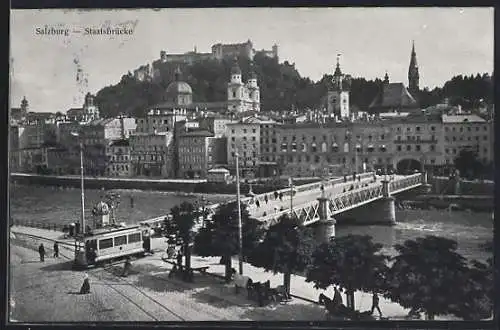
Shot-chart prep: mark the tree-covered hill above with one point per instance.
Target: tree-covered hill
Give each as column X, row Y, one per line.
column 281, row 87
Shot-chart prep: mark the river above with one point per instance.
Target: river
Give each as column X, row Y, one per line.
column 56, row 205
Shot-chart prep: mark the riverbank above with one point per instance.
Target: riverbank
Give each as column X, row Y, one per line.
column 191, row 187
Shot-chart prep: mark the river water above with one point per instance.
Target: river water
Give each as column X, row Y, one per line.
column 60, row 206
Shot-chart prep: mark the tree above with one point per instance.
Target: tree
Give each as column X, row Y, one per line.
column 184, row 218
column 353, row 262
column 467, row 163
column 426, row 275
column 291, row 245
column 220, row 236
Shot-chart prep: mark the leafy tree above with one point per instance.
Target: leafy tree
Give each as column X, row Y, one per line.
column 353, row 262
column 184, row 218
column 220, row 236
column 468, row 164
column 287, row 248
column 426, row 275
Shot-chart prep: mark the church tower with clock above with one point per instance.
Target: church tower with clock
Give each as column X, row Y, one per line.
column 338, row 94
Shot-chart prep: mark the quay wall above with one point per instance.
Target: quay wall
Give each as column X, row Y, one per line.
column 444, row 185
column 187, row 186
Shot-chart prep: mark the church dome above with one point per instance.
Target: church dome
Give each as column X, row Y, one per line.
column 177, row 86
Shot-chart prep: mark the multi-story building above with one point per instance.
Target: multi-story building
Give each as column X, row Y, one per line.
column 160, row 120
column 118, row 154
column 152, row 154
column 194, row 154
column 467, row 132
column 312, row 149
column 242, row 97
column 268, row 157
column 243, row 138
column 19, row 114
column 418, row 142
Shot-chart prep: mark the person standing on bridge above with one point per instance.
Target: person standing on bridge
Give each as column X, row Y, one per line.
column 56, row 250
column 266, row 199
column 41, row 251
column 275, row 195
column 257, row 203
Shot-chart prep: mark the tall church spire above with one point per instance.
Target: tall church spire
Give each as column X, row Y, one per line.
column 413, row 75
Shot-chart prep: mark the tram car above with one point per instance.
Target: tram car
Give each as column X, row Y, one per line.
column 111, row 243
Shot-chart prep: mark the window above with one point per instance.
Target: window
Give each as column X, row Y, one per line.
column 244, row 130
column 399, row 148
column 461, row 129
column 447, row 151
column 132, row 238
column 433, row 128
column 468, row 129
column 418, row 128
column 408, row 148
column 485, row 128
column 432, row 147
column 477, row 128
column 417, row 147
column 408, row 129
column 120, row 240
column 316, row 159
column 446, row 129
column 105, row 243
column 382, row 137
column 254, row 130
column 399, row 138
column 485, row 138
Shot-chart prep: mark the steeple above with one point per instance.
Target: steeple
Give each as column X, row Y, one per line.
column 24, row 105
column 337, row 76
column 177, row 74
column 413, row 75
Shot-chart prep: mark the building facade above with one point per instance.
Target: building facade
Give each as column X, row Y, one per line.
column 469, row 132
column 194, row 154
column 243, row 138
column 152, row 154
column 242, row 97
column 118, row 155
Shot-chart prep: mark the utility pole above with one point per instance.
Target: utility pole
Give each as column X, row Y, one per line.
column 290, row 183
column 240, row 227
column 81, row 181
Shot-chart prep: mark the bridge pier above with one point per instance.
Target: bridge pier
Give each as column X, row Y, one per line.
column 425, row 188
column 387, row 207
column 325, row 227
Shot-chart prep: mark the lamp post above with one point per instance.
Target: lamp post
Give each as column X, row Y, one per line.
column 290, row 183
column 81, row 181
column 240, row 229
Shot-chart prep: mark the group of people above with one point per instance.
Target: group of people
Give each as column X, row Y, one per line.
column 41, row 251
column 337, row 301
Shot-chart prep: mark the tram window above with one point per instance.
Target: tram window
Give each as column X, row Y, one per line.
column 134, row 238
column 120, row 240
column 105, row 243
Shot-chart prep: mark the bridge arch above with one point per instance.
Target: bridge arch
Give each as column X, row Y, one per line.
column 406, row 165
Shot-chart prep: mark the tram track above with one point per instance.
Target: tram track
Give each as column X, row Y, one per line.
column 107, row 268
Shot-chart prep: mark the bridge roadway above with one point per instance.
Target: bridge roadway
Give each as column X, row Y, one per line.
column 301, row 198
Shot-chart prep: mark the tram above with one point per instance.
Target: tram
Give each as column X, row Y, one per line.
column 111, row 243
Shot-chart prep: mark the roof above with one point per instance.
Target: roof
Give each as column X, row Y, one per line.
column 100, row 122
column 179, row 87
column 394, row 95
column 197, row 133
column 455, row 119
column 191, row 106
column 120, row 143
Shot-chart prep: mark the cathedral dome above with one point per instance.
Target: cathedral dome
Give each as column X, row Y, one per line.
column 177, row 86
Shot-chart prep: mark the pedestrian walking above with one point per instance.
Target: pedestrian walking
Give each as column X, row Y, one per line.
column 281, row 196
column 375, row 305
column 337, row 297
column 257, row 203
column 345, row 178
column 354, row 176
column 131, row 201
column 126, row 267
column 56, row 250
column 275, row 195
column 266, row 199
column 41, row 251
column 85, row 286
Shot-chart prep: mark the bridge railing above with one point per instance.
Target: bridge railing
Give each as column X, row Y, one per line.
column 304, row 187
column 405, row 182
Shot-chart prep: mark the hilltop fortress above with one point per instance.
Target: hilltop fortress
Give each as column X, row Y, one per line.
column 219, row 52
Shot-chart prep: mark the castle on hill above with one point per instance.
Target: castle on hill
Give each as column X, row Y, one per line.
column 219, row 51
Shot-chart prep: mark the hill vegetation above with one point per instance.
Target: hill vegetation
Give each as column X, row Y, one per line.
column 281, row 85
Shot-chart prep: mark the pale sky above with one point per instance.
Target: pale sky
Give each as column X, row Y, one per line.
column 448, row 41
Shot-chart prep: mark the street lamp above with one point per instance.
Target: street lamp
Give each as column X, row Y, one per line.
column 240, row 229
column 81, row 179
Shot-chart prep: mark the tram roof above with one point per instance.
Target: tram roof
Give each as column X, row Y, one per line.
column 110, row 230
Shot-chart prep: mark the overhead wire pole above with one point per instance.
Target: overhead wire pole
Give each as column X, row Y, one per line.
column 81, row 181
column 240, row 227
column 290, row 183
